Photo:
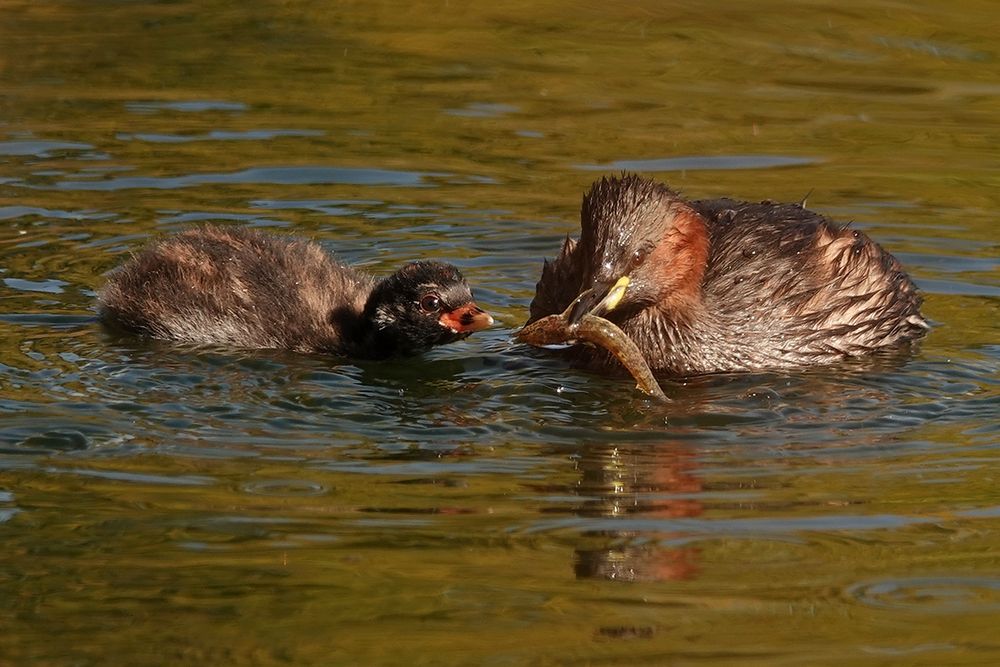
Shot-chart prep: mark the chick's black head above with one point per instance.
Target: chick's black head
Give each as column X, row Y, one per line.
column 421, row 305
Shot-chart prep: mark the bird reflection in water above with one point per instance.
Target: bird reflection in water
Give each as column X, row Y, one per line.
column 638, row 481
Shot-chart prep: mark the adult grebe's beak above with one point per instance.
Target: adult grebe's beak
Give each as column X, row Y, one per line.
column 600, row 299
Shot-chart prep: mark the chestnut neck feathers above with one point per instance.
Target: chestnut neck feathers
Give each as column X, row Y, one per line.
column 723, row 285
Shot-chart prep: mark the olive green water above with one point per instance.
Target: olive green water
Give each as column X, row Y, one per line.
column 485, row 504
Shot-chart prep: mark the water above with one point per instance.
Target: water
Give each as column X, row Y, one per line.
column 485, row 504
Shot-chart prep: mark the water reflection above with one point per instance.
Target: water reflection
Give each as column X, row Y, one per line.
column 655, row 481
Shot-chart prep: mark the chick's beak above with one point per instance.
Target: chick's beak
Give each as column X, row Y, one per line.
column 601, row 298
column 466, row 319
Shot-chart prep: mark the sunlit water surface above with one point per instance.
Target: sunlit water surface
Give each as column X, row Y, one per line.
column 485, row 504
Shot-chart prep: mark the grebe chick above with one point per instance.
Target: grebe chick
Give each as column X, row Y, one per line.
column 244, row 288
column 721, row 285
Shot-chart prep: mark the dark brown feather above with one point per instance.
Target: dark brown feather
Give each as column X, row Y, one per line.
column 240, row 287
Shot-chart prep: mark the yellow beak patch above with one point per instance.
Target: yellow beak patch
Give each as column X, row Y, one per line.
column 615, row 294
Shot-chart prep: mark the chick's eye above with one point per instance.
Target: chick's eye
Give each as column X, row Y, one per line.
column 430, row 303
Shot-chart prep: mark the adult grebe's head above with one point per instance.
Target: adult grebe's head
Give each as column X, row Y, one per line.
column 641, row 246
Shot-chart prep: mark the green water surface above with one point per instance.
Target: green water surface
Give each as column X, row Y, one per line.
column 485, row 504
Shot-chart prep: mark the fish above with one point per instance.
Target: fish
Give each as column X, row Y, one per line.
column 563, row 330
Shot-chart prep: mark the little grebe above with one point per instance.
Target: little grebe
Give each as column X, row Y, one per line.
column 245, row 288
column 723, row 285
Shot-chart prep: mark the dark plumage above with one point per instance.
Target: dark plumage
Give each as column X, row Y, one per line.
column 245, row 288
column 723, row 285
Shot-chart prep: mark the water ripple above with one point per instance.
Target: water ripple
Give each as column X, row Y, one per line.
column 941, row 595
column 135, row 477
column 218, row 135
column 284, row 487
column 701, row 162
column 731, row 527
column 40, row 148
column 187, row 106
column 308, row 175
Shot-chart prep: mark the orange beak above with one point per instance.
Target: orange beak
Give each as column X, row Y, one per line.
column 466, row 319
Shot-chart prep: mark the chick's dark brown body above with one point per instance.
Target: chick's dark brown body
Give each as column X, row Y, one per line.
column 724, row 285
column 245, row 288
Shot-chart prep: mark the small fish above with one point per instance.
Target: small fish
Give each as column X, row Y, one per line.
column 558, row 330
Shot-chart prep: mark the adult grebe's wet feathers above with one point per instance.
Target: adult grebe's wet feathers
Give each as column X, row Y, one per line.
column 723, row 285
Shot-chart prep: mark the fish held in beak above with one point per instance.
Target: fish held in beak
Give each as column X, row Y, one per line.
column 559, row 330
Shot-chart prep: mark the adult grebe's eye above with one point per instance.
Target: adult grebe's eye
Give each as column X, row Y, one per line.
column 640, row 254
column 430, row 303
